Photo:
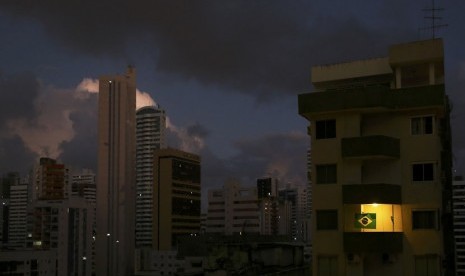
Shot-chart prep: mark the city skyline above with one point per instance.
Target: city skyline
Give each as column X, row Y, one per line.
column 238, row 102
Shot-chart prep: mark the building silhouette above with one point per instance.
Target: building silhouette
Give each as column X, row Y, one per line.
column 176, row 197
column 381, row 164
column 150, row 135
column 116, row 174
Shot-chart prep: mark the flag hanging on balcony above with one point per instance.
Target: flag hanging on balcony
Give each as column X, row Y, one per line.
column 366, row 220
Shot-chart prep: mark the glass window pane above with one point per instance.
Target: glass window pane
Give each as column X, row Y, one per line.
column 428, row 124
column 416, row 126
column 417, row 172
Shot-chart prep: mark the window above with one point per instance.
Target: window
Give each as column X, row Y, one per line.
column 326, row 219
column 327, row 266
column 326, row 174
column 422, row 125
column 325, row 129
column 424, row 219
column 423, row 172
column 426, row 265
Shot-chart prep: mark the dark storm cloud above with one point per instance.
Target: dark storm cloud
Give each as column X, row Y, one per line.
column 197, row 130
column 14, row 156
column 256, row 47
column 17, row 93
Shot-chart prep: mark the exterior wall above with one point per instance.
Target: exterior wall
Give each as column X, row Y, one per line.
column 28, row 262
column 459, row 224
column 360, row 119
column 18, row 216
column 176, row 197
column 116, row 174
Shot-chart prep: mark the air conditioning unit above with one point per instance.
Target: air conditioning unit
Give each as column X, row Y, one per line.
column 388, row 258
column 353, row 258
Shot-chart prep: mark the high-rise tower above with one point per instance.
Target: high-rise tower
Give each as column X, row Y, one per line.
column 116, row 174
column 150, row 135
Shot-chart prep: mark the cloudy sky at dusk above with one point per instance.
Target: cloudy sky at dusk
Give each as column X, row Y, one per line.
column 226, row 72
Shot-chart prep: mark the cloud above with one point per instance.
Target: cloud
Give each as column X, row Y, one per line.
column 261, row 48
column 190, row 138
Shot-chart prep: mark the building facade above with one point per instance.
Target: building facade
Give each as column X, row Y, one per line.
column 116, row 174
column 176, row 197
column 233, row 210
column 150, row 135
column 381, row 164
column 459, row 223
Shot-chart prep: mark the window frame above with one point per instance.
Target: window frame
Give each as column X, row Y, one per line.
column 422, row 127
column 328, row 131
column 324, row 223
column 327, row 178
column 424, row 173
column 435, row 220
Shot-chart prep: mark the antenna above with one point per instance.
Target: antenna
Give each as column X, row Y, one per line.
column 434, row 18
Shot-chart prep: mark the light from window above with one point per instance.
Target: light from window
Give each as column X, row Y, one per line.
column 423, row 172
column 326, row 219
column 326, row 174
column 422, row 125
column 325, row 129
column 425, row 219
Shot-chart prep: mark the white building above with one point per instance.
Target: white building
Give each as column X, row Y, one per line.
column 17, row 230
column 83, row 185
column 233, row 210
column 150, row 135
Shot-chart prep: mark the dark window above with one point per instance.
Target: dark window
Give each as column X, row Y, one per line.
column 326, row 174
column 325, row 129
column 423, row 172
column 186, row 171
column 326, row 219
column 426, row 265
column 423, row 219
column 422, row 125
column 185, row 206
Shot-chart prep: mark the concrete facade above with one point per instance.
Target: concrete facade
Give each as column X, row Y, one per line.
column 116, row 174
column 381, row 165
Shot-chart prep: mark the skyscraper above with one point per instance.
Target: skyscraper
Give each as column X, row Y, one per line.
column 176, row 197
column 116, row 174
column 381, row 164
column 150, row 135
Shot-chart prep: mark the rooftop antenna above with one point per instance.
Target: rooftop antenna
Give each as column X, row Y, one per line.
column 433, row 16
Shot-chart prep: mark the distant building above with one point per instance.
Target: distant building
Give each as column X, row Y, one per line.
column 6, row 182
column 176, row 197
column 267, row 192
column 116, row 174
column 83, row 185
column 459, row 223
column 29, row 262
column 150, row 135
column 50, row 180
column 381, row 164
column 233, row 209
column 17, row 217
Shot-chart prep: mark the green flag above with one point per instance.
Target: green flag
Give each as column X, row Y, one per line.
column 366, row 220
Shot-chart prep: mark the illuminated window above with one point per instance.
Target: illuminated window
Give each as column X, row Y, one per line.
column 423, row 172
column 325, row 129
column 326, row 174
column 326, row 219
column 422, row 125
column 424, row 219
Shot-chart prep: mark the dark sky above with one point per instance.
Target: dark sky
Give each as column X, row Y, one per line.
column 226, row 72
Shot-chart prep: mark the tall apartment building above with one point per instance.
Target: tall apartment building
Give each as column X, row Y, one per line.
column 267, row 192
column 233, row 209
column 381, row 164
column 65, row 227
column 459, row 223
column 150, row 135
column 176, row 197
column 17, row 218
column 83, row 185
column 116, row 174
column 6, row 182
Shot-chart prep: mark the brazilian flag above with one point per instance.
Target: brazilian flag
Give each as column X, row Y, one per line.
column 366, row 220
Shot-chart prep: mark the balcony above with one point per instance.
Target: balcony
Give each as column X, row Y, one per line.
column 373, row 242
column 370, row 193
column 368, row 147
column 371, row 97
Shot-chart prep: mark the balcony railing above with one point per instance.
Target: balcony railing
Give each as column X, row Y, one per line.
column 373, row 242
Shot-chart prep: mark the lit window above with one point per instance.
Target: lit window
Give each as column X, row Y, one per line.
column 325, row 129
column 422, row 125
column 423, row 172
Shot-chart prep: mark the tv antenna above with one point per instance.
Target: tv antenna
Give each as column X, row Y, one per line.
column 433, row 16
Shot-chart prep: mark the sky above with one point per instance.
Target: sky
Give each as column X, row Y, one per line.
column 227, row 73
